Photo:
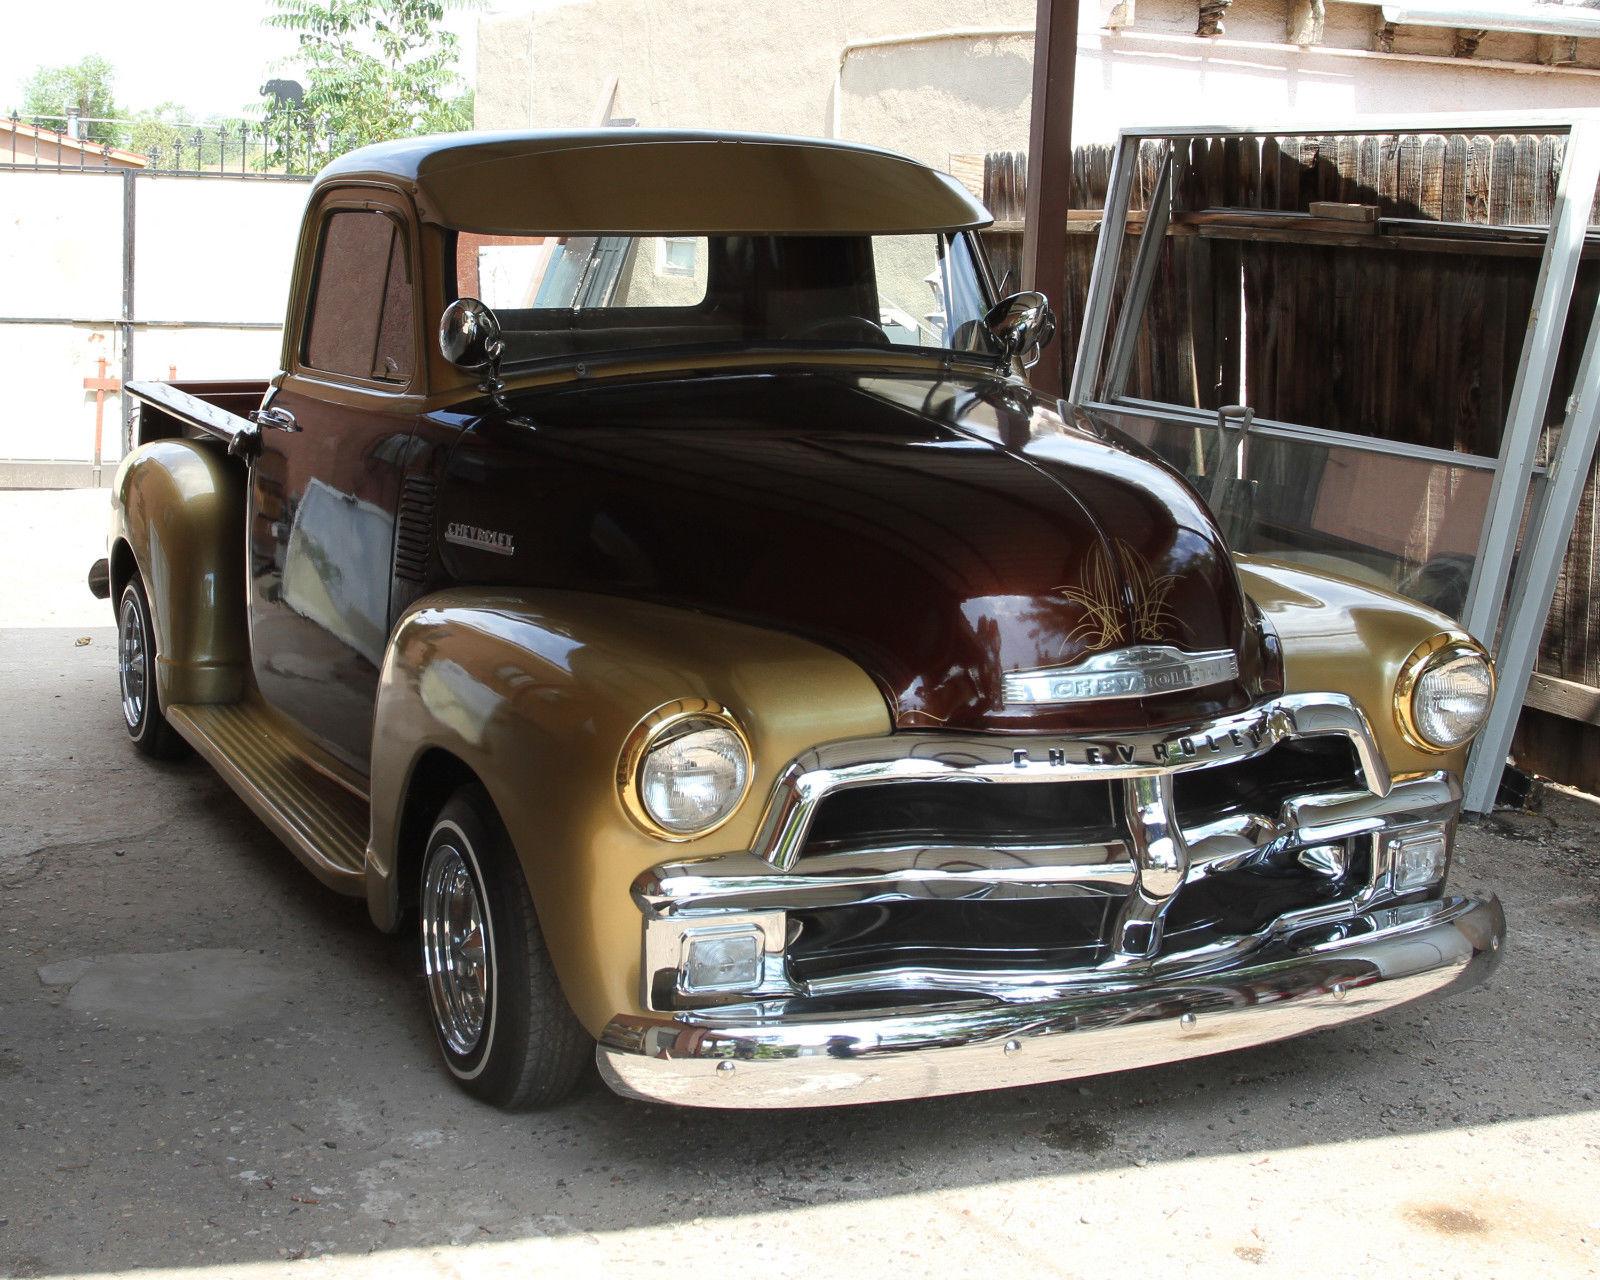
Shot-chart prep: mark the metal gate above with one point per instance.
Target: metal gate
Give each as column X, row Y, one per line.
column 110, row 273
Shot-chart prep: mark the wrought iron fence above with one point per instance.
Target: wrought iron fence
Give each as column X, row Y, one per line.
column 278, row 148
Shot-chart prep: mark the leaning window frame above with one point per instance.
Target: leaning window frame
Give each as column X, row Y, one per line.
column 1548, row 494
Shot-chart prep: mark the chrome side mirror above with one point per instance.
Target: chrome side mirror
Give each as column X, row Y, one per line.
column 1020, row 326
column 469, row 336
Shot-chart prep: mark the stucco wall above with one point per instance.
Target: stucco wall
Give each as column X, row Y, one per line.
column 754, row 64
column 748, row 64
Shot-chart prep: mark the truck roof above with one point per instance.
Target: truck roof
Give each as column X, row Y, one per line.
column 625, row 181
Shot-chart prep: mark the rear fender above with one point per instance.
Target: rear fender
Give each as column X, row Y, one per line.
column 535, row 693
column 177, row 514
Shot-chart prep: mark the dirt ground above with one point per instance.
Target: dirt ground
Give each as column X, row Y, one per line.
column 211, row 1066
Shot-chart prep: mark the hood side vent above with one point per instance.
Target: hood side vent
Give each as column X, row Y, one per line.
column 413, row 528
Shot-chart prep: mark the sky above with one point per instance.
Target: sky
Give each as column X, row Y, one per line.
column 208, row 55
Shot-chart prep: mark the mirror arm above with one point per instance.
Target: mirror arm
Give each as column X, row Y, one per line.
column 493, row 385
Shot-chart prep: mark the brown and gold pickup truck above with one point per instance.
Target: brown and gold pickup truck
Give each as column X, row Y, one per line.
column 651, row 580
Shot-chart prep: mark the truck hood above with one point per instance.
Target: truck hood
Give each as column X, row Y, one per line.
column 942, row 532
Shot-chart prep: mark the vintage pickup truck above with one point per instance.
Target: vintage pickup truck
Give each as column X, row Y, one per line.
column 651, row 574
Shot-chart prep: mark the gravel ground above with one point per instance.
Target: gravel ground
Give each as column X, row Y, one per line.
column 209, row 1065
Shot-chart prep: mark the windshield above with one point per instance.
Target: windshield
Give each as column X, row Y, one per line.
column 562, row 296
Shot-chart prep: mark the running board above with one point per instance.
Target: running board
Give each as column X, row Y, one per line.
column 324, row 824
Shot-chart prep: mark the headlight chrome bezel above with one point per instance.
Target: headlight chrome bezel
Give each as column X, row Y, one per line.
column 1436, row 652
column 668, row 721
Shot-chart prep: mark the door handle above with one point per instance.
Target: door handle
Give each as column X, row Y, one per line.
column 275, row 419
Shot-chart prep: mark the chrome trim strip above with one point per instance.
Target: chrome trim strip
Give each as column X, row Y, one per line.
column 1338, row 815
column 755, row 1058
column 742, row 882
column 675, row 897
column 997, row 758
column 1134, row 672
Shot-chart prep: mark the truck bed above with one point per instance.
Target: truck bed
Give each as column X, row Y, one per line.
column 192, row 408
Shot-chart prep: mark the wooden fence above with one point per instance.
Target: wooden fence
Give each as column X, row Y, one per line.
column 1406, row 324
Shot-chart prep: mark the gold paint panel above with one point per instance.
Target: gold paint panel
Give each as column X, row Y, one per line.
column 537, row 692
column 179, row 505
column 1349, row 638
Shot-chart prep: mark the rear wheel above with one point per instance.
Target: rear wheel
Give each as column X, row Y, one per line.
column 502, row 1022
column 136, row 677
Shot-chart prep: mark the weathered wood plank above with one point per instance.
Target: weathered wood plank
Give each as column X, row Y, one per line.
column 1563, row 697
column 1410, row 330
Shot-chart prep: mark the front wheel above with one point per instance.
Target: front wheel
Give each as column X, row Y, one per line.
column 502, row 1022
column 136, row 677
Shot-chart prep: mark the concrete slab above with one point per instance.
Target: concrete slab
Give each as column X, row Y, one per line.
column 48, row 540
column 1460, row 1139
column 176, row 990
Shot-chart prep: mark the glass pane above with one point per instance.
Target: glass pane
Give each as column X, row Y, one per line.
column 911, row 292
column 524, row 272
column 396, row 336
column 352, row 272
column 1377, row 284
column 1403, row 524
column 560, row 296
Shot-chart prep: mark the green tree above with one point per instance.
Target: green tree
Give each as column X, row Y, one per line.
column 86, row 85
column 374, row 69
column 171, row 137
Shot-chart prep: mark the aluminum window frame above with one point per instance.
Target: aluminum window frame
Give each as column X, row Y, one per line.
column 1548, row 494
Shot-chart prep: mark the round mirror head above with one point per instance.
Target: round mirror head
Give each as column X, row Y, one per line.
column 469, row 335
column 1021, row 325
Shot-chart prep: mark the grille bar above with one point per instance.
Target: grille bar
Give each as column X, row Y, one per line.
column 413, row 529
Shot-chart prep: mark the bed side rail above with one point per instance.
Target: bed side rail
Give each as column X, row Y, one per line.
column 169, row 410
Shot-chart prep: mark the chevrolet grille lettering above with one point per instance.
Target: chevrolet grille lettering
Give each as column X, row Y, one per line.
column 1172, row 751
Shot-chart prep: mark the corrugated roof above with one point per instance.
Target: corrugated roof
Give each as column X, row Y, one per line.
column 35, row 135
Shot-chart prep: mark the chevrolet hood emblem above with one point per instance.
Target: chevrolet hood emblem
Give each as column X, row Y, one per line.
column 1139, row 671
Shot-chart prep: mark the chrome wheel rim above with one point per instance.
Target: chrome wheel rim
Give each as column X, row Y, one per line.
column 454, row 955
column 132, row 661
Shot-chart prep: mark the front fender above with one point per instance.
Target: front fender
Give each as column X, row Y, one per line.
column 1351, row 638
column 178, row 508
column 536, row 692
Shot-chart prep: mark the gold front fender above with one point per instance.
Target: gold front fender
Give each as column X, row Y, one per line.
column 1349, row 638
column 536, row 693
column 178, row 509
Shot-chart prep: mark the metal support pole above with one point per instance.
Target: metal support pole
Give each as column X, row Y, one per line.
column 1103, row 274
column 129, row 177
column 1145, row 261
column 1049, row 192
column 1558, row 269
column 1549, row 528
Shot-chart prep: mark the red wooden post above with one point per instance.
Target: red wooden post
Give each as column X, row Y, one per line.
column 1044, row 228
column 100, row 385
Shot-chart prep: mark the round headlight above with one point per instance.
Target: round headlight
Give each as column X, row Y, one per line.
column 1444, row 694
column 684, row 770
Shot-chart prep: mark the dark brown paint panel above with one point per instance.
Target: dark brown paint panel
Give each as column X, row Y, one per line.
column 941, row 532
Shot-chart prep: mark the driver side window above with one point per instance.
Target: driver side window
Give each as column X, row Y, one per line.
column 360, row 324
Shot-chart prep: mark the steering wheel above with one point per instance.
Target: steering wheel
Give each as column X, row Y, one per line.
column 843, row 329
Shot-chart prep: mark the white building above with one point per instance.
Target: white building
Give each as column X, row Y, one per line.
column 938, row 78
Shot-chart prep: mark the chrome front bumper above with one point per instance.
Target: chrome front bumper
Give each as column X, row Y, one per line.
column 782, row 1054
